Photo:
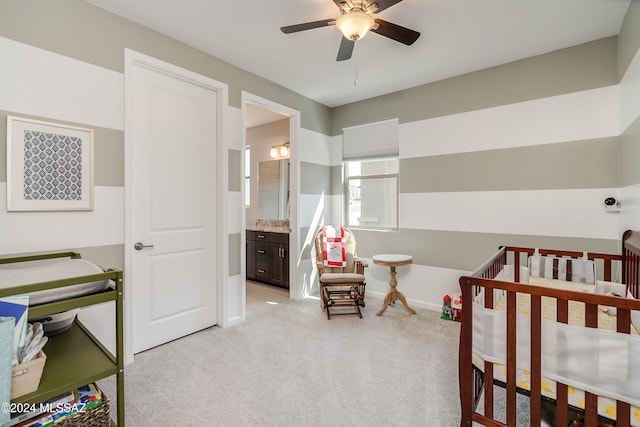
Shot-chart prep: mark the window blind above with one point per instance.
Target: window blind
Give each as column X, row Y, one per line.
column 379, row 139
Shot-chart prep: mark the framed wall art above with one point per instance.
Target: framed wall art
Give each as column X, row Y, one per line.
column 49, row 166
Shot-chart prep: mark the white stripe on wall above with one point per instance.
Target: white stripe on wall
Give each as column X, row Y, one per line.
column 581, row 115
column 46, row 231
column 235, row 299
column 41, row 83
column 570, row 213
column 314, row 147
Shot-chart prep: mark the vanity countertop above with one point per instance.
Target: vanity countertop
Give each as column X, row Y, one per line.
column 286, row 230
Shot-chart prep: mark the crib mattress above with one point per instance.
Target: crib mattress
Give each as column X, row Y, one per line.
column 64, row 269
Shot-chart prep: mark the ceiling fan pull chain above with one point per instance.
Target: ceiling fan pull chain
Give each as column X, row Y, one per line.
column 355, row 68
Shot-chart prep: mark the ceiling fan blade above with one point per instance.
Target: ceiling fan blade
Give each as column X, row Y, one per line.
column 395, row 32
column 380, row 5
column 346, row 49
column 307, row 26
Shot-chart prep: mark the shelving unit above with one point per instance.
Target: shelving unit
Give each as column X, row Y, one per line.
column 75, row 357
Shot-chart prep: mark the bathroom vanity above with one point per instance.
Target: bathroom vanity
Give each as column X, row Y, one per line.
column 268, row 257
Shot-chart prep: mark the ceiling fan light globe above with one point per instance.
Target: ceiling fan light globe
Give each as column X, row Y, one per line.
column 355, row 24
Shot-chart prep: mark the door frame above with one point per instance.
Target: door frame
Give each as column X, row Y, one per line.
column 295, row 288
column 132, row 59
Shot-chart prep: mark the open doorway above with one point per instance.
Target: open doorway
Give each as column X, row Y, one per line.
column 270, row 187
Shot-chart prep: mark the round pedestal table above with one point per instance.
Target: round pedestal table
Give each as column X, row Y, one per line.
column 392, row 261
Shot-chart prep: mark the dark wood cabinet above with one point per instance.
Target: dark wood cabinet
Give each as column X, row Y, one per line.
column 279, row 257
column 268, row 257
column 251, row 255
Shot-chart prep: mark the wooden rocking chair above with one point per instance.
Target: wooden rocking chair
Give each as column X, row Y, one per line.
column 341, row 286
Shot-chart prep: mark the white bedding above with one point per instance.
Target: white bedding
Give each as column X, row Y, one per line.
column 63, row 269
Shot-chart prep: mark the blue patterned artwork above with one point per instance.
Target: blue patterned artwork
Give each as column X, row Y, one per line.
column 52, row 166
column 49, row 166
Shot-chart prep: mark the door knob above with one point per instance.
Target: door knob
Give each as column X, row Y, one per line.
column 139, row 246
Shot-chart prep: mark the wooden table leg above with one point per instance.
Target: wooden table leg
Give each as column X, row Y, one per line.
column 394, row 294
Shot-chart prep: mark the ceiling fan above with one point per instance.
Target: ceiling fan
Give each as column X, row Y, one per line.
column 355, row 21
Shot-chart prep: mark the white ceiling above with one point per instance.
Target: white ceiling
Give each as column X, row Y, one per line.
column 256, row 115
column 457, row 37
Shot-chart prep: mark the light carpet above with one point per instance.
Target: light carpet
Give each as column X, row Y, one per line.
column 287, row 365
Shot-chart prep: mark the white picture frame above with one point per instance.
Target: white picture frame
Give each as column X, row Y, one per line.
column 49, row 166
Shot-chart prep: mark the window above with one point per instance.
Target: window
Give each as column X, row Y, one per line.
column 371, row 193
column 371, row 170
column 247, row 176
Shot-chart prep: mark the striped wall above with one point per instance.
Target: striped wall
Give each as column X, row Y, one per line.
column 43, row 85
column 235, row 291
column 522, row 153
column 77, row 77
column 509, row 155
column 319, row 198
column 629, row 68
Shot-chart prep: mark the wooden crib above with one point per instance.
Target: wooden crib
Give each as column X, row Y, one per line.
column 482, row 292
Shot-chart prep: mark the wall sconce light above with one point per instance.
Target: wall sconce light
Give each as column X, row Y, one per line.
column 279, row 151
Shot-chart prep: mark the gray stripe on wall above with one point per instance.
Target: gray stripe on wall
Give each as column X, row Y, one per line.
column 587, row 66
column 464, row 250
column 109, row 155
column 629, row 154
column 315, row 178
column 576, row 164
column 234, row 254
column 108, row 150
column 234, row 170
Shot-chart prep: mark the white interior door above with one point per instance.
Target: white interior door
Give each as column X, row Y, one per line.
column 173, row 206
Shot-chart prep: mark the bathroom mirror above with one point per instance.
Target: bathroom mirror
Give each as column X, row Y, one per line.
column 273, row 189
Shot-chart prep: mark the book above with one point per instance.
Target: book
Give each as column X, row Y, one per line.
column 16, row 307
column 45, row 406
column 83, row 399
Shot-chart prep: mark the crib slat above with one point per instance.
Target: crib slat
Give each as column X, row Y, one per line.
column 511, row 358
column 590, row 409
column 607, row 270
column 562, row 397
column 591, row 316
column 536, row 358
column 623, row 413
column 488, row 390
column 623, row 325
column 590, row 399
